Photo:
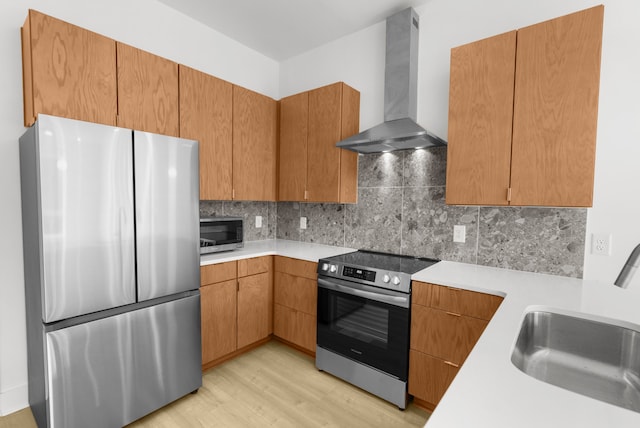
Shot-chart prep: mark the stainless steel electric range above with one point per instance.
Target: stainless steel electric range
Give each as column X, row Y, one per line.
column 364, row 305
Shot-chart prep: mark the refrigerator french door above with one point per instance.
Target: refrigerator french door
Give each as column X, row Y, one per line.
column 111, row 254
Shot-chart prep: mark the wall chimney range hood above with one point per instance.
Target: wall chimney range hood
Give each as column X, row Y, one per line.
column 399, row 131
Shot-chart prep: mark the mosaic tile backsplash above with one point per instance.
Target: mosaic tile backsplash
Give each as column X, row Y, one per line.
column 401, row 209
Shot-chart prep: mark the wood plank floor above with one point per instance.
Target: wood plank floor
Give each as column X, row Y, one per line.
column 272, row 385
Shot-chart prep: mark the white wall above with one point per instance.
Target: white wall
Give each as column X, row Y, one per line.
column 358, row 59
column 146, row 24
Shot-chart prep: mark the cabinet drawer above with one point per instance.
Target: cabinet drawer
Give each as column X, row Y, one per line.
column 429, row 377
column 295, row 327
column 219, row 272
column 443, row 334
column 254, row 266
column 465, row 302
column 296, row 292
column 296, row 267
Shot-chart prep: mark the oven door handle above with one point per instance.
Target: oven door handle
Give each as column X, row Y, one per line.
column 352, row 289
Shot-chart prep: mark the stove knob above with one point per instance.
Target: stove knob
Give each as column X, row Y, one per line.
column 333, row 268
column 325, row 266
column 386, row 278
column 396, row 280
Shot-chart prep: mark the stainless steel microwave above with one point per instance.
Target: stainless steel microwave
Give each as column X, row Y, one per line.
column 220, row 234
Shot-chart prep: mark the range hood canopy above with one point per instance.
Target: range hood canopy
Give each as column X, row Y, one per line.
column 399, row 131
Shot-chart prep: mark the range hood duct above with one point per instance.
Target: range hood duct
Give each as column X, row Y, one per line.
column 399, row 131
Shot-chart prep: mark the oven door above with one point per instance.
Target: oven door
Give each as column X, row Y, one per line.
column 366, row 324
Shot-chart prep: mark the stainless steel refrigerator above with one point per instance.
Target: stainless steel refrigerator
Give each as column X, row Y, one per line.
column 112, row 270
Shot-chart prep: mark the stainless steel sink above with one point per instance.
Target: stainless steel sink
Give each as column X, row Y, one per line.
column 597, row 359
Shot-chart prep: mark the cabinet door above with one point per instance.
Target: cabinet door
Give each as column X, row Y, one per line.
column 480, row 121
column 556, row 110
column 254, row 308
column 254, row 146
column 206, row 116
column 429, row 377
column 147, row 92
column 295, row 326
column 67, row 71
column 323, row 166
column 350, row 125
column 294, row 117
column 218, row 314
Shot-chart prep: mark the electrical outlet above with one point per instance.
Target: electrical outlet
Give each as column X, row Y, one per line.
column 459, row 233
column 303, row 222
column 601, row 244
column 258, row 221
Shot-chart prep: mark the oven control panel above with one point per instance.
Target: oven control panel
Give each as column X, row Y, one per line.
column 352, row 272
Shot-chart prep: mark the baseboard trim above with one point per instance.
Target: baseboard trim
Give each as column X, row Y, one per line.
column 14, row 399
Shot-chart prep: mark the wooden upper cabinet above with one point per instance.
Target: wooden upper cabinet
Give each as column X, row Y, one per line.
column 206, row 108
column 147, row 92
column 480, row 117
column 523, row 112
column 294, row 125
column 67, row 71
column 332, row 172
column 254, row 146
column 556, row 110
column 312, row 168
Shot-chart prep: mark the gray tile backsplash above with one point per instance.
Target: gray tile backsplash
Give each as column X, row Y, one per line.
column 401, row 209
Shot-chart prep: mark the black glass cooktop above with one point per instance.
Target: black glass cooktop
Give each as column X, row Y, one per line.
column 384, row 261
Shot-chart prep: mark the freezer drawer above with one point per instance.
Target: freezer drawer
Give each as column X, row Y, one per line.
column 112, row 371
column 167, row 360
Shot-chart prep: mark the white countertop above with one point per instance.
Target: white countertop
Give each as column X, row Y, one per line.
column 489, row 391
column 276, row 247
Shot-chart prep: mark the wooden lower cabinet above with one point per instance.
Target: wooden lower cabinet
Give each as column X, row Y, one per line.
column 295, row 327
column 295, row 297
column 446, row 323
column 429, row 377
column 448, row 336
column 218, row 318
column 236, row 307
column 254, row 308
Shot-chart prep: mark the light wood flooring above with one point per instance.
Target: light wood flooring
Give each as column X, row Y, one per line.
column 272, row 385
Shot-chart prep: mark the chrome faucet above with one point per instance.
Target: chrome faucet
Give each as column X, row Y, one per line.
column 629, row 268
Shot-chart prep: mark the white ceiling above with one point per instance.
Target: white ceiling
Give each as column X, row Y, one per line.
column 281, row 29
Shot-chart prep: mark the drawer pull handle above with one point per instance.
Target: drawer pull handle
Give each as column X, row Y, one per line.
column 452, row 364
column 453, row 314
